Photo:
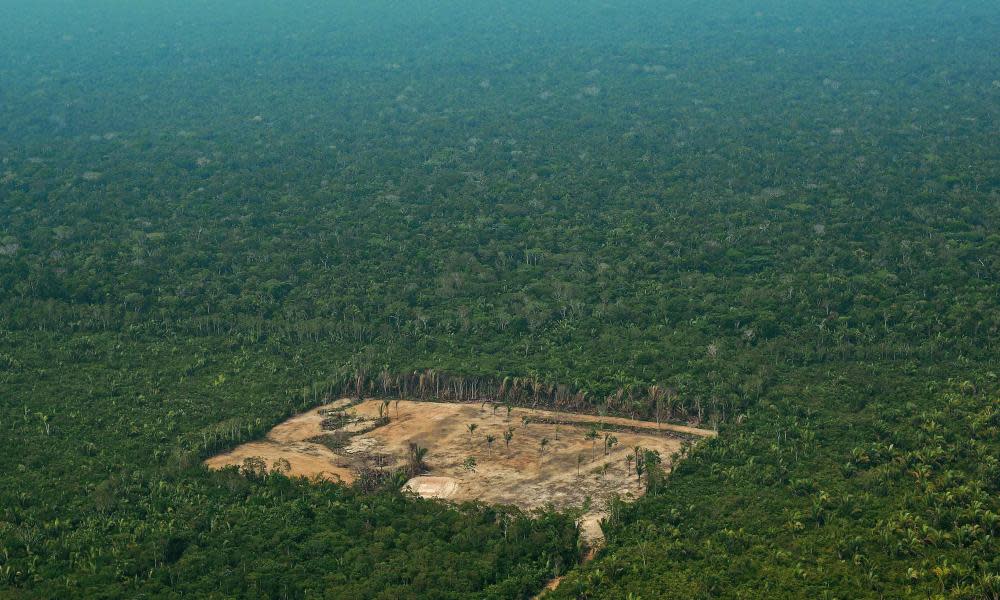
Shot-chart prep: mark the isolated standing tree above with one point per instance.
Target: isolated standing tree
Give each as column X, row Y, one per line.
column 490, row 438
column 592, row 436
column 417, row 454
column 628, row 463
column 639, row 466
column 609, row 442
column 508, row 436
column 509, row 408
column 541, row 448
column 579, row 461
column 472, row 429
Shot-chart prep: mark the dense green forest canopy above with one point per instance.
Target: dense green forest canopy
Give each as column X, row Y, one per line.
column 785, row 212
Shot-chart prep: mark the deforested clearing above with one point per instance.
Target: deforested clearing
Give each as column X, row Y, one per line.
column 529, row 458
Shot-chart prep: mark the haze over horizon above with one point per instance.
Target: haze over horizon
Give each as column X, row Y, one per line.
column 774, row 221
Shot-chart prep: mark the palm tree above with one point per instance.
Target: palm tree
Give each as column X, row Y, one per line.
column 609, row 443
column 472, row 428
column 656, row 395
column 508, row 436
column 669, row 400
column 45, row 421
column 639, row 466
column 489, row 443
column 417, row 454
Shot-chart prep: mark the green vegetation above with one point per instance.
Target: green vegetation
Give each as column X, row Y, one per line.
column 778, row 220
column 866, row 486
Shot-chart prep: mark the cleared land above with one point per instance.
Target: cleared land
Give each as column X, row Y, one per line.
column 289, row 441
column 568, row 470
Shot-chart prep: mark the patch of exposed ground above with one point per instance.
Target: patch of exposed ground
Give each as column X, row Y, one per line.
column 290, row 441
column 568, row 471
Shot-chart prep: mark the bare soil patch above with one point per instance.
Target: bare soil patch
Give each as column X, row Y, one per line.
column 289, row 441
column 433, row 487
column 567, row 471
